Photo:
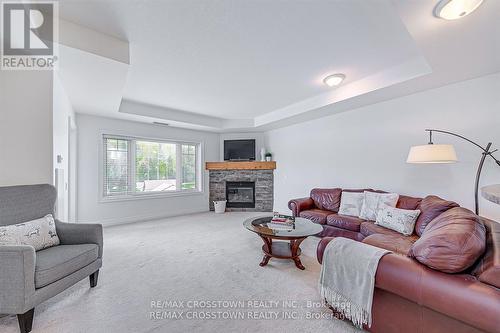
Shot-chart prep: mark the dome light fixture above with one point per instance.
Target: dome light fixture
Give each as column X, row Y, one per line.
column 455, row 9
column 334, row 79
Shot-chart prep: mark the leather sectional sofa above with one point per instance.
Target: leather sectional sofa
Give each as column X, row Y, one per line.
column 415, row 292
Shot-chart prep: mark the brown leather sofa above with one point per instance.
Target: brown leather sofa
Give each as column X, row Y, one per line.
column 422, row 286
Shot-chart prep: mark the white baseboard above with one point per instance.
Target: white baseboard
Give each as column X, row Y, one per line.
column 141, row 218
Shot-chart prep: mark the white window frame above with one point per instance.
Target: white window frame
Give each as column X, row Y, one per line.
column 132, row 194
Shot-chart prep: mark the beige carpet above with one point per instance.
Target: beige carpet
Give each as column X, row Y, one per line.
column 201, row 257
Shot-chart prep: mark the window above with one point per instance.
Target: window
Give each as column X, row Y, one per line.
column 140, row 166
column 116, row 167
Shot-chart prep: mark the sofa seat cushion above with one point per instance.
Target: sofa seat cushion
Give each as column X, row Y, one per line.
column 56, row 262
column 396, row 243
column 369, row 228
column 316, row 215
column 344, row 222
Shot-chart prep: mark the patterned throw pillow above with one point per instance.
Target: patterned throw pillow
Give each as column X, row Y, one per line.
column 350, row 203
column 373, row 202
column 400, row 220
column 40, row 233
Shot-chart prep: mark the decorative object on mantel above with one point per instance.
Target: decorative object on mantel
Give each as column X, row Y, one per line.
column 432, row 153
column 262, row 154
column 269, row 157
column 492, row 193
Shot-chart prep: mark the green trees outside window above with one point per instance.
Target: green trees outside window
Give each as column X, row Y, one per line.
column 135, row 166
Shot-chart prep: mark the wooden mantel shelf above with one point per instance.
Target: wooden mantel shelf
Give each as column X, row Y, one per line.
column 240, row 165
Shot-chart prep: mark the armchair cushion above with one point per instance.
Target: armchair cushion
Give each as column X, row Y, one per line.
column 56, row 262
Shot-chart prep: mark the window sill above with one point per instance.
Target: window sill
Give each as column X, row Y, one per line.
column 134, row 197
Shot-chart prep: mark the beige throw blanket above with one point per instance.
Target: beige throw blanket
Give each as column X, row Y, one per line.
column 347, row 279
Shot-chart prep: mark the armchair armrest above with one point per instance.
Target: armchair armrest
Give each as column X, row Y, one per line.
column 298, row 205
column 455, row 295
column 80, row 233
column 17, row 278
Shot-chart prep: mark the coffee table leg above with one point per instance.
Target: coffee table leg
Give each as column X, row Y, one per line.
column 268, row 247
column 294, row 247
column 264, row 261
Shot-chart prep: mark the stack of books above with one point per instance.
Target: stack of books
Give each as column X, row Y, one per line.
column 282, row 222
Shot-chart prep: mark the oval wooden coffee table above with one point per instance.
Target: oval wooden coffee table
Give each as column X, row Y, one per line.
column 289, row 240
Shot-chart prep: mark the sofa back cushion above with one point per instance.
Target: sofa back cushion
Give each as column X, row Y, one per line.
column 326, row 198
column 431, row 207
column 452, row 242
column 408, row 203
column 487, row 268
column 25, row 203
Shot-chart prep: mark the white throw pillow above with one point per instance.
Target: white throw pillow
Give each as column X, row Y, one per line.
column 373, row 202
column 39, row 233
column 351, row 203
column 400, row 220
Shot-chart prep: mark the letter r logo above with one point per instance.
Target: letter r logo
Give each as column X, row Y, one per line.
column 27, row 28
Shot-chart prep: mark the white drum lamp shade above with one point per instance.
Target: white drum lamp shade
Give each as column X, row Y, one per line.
column 432, row 153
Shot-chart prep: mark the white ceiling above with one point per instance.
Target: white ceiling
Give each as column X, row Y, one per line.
column 259, row 64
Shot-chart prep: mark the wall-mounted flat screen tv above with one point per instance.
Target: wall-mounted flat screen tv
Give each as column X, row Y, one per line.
column 239, row 150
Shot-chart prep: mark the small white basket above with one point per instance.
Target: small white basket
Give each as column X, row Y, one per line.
column 220, row 206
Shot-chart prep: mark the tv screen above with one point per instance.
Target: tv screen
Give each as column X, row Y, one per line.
column 239, row 150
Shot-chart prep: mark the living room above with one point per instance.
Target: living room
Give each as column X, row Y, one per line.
column 233, row 166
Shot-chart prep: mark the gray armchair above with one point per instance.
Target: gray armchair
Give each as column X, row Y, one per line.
column 29, row 277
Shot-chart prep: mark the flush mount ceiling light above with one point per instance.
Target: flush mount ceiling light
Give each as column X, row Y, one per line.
column 334, row 79
column 455, row 9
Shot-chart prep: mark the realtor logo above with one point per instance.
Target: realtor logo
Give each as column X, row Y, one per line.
column 28, row 35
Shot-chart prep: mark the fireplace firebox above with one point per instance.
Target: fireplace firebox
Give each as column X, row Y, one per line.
column 240, row 194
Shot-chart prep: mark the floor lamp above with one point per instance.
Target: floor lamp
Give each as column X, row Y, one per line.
column 438, row 153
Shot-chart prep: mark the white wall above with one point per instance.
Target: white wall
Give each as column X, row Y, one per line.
column 258, row 136
column 25, row 127
column 367, row 147
column 63, row 116
column 90, row 209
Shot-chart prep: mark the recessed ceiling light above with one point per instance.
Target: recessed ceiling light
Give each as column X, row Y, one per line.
column 334, row 80
column 455, row 9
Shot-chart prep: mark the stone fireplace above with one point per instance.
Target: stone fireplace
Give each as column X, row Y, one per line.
column 247, row 186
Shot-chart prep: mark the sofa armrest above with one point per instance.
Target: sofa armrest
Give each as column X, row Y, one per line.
column 321, row 248
column 80, row 233
column 459, row 296
column 17, row 278
column 298, row 205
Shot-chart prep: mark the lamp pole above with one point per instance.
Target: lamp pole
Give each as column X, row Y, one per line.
column 485, row 153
